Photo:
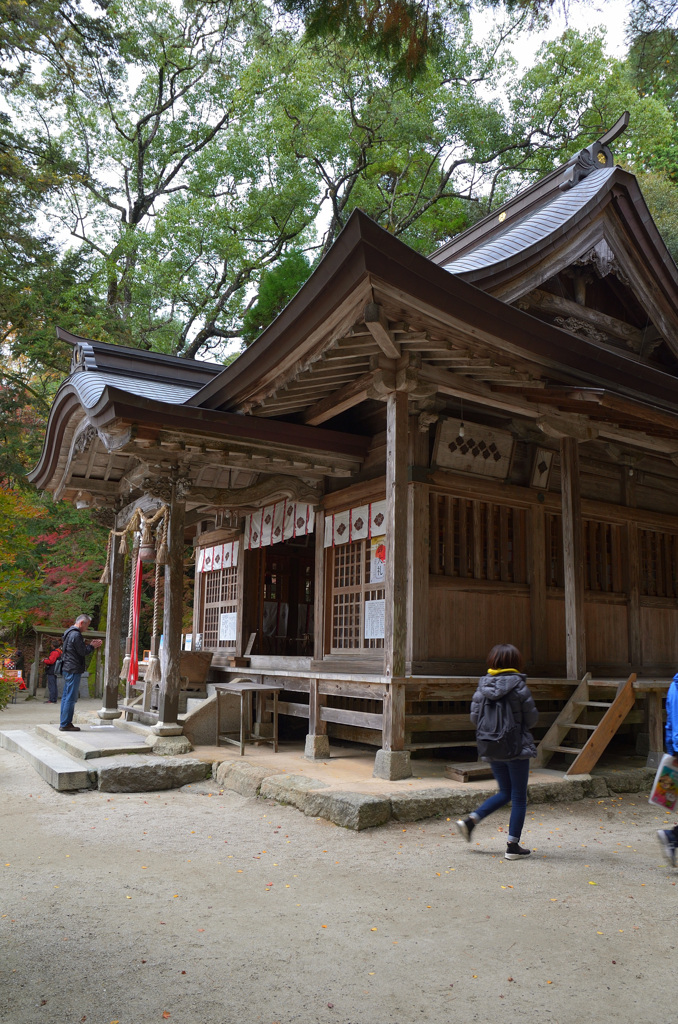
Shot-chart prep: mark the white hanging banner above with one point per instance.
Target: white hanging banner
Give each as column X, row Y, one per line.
column 220, row 556
column 360, row 523
column 276, row 523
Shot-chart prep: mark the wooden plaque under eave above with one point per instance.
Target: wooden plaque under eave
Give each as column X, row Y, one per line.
column 482, row 450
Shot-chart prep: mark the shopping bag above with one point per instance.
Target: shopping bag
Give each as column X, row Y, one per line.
column 665, row 786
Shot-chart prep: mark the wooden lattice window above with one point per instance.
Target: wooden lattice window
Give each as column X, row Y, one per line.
column 658, row 563
column 220, row 589
column 603, row 552
column 478, row 540
column 351, row 588
column 555, row 566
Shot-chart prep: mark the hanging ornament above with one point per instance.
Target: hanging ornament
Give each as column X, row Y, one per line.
column 106, row 574
column 153, row 672
column 147, row 548
column 162, row 557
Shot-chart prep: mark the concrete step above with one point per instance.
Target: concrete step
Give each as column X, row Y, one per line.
column 52, row 764
column 94, row 741
column 194, row 702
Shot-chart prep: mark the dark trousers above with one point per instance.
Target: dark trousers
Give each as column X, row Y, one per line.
column 52, row 691
column 512, row 778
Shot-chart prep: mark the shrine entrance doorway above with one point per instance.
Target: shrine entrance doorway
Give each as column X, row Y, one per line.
column 282, row 614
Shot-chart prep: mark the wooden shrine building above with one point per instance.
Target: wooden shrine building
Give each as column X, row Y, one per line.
column 419, row 458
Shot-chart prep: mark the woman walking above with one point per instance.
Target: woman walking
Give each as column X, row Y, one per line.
column 503, row 713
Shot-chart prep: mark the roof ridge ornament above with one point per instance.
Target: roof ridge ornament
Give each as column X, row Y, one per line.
column 83, row 357
column 595, row 157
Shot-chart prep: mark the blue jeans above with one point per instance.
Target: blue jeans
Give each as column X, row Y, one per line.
column 512, row 778
column 69, row 697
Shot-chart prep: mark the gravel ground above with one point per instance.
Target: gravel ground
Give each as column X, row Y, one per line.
column 217, row 909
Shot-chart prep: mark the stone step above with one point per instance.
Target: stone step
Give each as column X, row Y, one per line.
column 62, row 772
column 94, row 741
column 128, row 773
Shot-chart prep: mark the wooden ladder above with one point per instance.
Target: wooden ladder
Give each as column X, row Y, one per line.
column 586, row 757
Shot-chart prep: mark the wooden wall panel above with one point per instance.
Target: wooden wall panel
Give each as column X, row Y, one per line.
column 555, row 630
column 606, row 633
column 659, row 630
column 464, row 625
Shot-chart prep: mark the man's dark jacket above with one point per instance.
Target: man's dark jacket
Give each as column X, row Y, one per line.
column 75, row 651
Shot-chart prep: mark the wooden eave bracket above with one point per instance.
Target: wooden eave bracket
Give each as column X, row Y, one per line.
column 377, row 324
column 576, row 426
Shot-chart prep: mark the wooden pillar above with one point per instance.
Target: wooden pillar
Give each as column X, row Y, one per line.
column 655, row 724
column 198, row 593
column 171, row 622
column 393, row 761
column 394, row 717
column 116, row 586
column 633, row 590
column 240, row 641
column 317, row 742
column 573, row 558
column 417, row 574
column 35, row 667
column 395, row 612
column 537, row 542
column 319, row 588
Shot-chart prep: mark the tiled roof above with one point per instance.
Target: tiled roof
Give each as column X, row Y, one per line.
column 532, row 229
column 91, row 385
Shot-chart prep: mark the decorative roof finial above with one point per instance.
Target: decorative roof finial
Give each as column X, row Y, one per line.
column 594, row 157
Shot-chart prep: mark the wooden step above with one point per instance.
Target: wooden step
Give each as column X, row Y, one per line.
column 467, row 772
column 565, row 750
column 593, row 703
column 580, row 725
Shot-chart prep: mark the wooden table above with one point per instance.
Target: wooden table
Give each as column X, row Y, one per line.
column 245, row 689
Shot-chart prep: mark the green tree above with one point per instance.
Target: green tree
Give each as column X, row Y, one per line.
column 403, row 33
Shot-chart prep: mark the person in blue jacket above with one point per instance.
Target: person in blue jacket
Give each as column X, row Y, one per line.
column 668, row 837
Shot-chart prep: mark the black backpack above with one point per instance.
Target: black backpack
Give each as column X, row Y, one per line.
column 498, row 733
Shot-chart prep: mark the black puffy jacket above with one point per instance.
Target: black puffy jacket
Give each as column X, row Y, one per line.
column 524, row 709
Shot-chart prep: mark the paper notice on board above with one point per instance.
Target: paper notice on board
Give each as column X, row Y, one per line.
column 228, row 625
column 377, row 560
column 374, row 620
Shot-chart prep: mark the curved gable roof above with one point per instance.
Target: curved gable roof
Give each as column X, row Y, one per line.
column 519, row 237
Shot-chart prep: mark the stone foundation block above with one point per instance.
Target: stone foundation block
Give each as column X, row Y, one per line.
column 168, row 746
column 108, row 714
column 634, row 780
column 315, row 799
column 413, row 806
column 392, row 765
column 317, row 748
column 146, row 773
column 243, row 778
column 561, row 792
column 597, row 787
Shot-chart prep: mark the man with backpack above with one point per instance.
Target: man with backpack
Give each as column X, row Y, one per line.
column 503, row 713
column 75, row 651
